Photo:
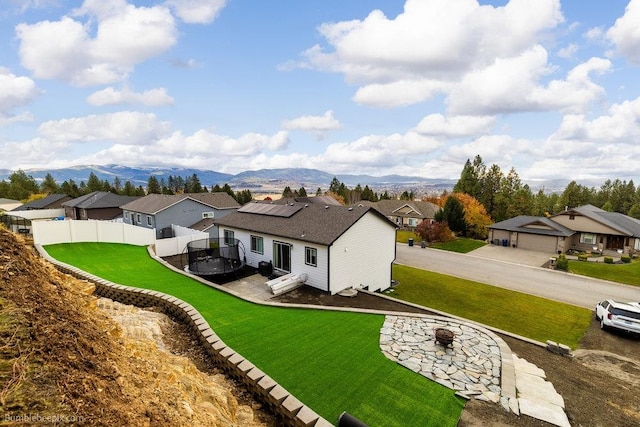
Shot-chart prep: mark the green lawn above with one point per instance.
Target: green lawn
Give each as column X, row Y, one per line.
column 621, row 273
column 403, row 236
column 532, row 317
column 461, row 245
column 329, row 360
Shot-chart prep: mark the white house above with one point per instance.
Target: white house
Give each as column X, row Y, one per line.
column 337, row 247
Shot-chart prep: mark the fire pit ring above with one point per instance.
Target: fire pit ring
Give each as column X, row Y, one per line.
column 444, row 336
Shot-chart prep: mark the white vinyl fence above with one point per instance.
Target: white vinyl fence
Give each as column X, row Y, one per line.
column 70, row 231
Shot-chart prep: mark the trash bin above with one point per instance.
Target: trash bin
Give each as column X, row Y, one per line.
column 504, row 242
column 410, row 242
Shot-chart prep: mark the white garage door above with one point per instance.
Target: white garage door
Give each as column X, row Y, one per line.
column 534, row 242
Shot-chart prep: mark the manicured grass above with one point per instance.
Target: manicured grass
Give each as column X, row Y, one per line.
column 403, row 236
column 621, row 273
column 329, row 360
column 532, row 317
column 461, row 245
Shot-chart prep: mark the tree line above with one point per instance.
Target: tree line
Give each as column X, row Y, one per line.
column 25, row 188
column 505, row 196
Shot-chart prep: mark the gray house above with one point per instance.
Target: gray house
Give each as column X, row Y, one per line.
column 405, row 213
column 585, row 228
column 101, row 205
column 193, row 210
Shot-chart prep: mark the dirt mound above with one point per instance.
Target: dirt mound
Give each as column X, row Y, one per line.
column 64, row 361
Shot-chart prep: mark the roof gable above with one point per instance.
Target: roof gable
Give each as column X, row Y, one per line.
column 151, row 204
column 622, row 223
column 533, row 225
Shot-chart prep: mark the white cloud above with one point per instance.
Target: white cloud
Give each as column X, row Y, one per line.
column 15, row 91
column 510, row 85
column 197, row 11
column 319, row 125
column 454, row 126
column 111, row 96
column 126, row 127
column 568, row 51
column 433, row 43
column 624, row 33
column 125, row 35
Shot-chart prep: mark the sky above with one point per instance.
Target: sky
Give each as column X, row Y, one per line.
column 412, row 87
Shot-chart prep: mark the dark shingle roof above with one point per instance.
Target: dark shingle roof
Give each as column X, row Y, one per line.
column 533, row 225
column 416, row 209
column 42, row 203
column 99, row 200
column 154, row 203
column 312, row 223
column 623, row 223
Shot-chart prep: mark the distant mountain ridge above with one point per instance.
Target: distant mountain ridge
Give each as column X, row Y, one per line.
column 294, row 177
column 265, row 180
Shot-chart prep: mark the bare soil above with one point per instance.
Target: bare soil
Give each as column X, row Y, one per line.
column 64, row 362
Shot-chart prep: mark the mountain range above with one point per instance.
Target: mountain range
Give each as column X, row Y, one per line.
column 264, row 180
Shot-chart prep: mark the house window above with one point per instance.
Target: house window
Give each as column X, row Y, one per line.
column 572, row 217
column 207, row 215
column 282, row 256
column 311, row 256
column 228, row 237
column 588, row 238
column 148, row 220
column 257, row 244
column 413, row 222
column 138, row 218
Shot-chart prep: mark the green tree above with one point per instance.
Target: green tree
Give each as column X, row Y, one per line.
column 70, row 188
column 490, row 187
column 287, row 192
column 634, row 212
column 453, row 214
column 49, row 185
column 471, row 177
column 129, row 189
column 153, row 185
column 94, row 183
column 302, row 192
column 575, row 195
column 21, row 185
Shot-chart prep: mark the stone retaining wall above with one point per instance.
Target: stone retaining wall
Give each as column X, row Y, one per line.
column 293, row 411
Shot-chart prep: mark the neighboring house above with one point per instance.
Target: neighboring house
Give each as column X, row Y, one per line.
column 585, row 228
column 100, row 205
column 319, row 200
column 337, row 247
column 9, row 204
column 531, row 232
column 52, row 201
column 193, row 210
column 405, row 213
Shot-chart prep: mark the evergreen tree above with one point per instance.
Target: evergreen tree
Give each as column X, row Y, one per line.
column 129, row 189
column 153, row 186
column 470, row 178
column 94, row 183
column 49, row 185
column 287, row 192
column 453, row 214
column 21, row 186
column 302, row 192
column 70, row 188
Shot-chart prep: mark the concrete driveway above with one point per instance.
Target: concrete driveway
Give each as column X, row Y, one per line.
column 518, row 270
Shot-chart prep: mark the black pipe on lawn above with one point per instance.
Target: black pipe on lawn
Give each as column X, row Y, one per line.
column 347, row 420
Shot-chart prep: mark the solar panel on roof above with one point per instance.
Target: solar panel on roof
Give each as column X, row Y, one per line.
column 284, row 211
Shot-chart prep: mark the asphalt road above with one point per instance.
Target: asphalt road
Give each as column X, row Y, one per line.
column 552, row 284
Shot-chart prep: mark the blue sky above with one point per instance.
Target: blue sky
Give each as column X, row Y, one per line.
column 412, row 87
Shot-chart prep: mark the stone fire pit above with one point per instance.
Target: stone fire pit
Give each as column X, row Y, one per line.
column 444, row 336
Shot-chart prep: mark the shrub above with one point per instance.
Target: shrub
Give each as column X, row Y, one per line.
column 608, row 260
column 625, row 258
column 583, row 257
column 562, row 263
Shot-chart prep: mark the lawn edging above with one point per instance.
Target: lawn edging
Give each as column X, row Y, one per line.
column 286, row 405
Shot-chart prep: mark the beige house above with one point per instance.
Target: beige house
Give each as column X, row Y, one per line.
column 405, row 213
column 585, row 228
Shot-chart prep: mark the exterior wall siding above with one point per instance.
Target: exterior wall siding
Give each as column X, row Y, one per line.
column 317, row 276
column 581, row 223
column 362, row 257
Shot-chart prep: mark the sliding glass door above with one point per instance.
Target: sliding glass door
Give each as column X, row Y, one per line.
column 282, row 256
